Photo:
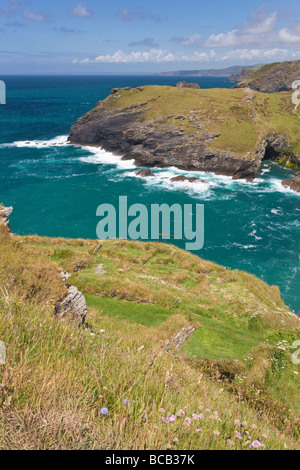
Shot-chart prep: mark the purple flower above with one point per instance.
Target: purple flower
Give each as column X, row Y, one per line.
column 104, row 411
column 199, row 431
column 125, row 402
column 201, row 416
column 194, row 416
column 188, row 421
column 172, row 419
column 255, row 445
column 239, row 436
column 181, row 413
column 144, row 416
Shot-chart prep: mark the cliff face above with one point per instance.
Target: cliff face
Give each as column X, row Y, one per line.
column 204, row 130
column 272, row 78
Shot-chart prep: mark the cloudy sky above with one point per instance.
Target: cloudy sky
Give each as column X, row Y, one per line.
column 134, row 36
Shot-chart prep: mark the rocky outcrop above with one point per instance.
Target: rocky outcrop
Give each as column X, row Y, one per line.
column 4, row 215
column 180, row 339
column 72, row 306
column 187, row 85
column 272, row 78
column 182, row 179
column 144, row 173
column 293, row 183
column 163, row 141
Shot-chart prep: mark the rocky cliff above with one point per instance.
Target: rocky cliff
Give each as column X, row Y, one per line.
column 224, row 131
column 272, row 78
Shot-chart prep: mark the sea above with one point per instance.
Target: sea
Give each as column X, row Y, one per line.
column 55, row 188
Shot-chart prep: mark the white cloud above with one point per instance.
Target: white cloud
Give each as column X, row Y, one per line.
column 81, row 11
column 139, row 14
column 290, row 35
column 258, row 30
column 192, row 41
column 249, row 55
column 153, row 56
column 34, row 15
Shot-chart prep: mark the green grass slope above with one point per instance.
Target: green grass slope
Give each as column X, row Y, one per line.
column 230, row 377
column 247, row 115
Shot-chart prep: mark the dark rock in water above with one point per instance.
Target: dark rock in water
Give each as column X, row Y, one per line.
column 144, row 173
column 72, row 306
column 187, row 85
column 182, row 178
column 293, row 183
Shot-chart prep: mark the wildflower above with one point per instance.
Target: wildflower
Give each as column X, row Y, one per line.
column 239, row 436
column 175, row 440
column 166, row 420
column 237, row 422
column 207, row 410
column 104, row 411
column 264, row 436
column 187, row 421
column 180, row 413
column 194, row 416
column 125, row 402
column 230, row 443
column 201, row 416
column 253, row 426
column 199, row 431
column 244, row 424
column 172, row 419
column 168, row 447
column 216, row 433
column 255, row 445
column 144, row 416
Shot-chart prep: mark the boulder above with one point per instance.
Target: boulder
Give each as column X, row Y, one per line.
column 4, row 215
column 144, row 173
column 72, row 306
column 182, row 178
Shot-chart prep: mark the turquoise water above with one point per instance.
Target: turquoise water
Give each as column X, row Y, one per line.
column 55, row 188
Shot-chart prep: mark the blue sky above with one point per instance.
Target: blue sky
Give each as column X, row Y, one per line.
column 95, row 36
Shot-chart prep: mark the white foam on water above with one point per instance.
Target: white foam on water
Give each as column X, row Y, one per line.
column 58, row 141
column 100, row 156
column 164, row 178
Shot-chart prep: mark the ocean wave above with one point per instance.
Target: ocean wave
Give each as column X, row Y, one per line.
column 100, row 156
column 58, row 141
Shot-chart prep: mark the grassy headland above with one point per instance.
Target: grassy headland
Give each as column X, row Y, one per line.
column 234, row 373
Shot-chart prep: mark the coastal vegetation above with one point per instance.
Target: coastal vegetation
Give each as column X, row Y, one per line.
column 120, row 382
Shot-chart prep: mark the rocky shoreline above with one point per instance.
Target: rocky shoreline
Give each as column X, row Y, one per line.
column 162, row 141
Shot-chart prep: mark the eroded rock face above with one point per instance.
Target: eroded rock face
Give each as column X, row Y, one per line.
column 159, row 143
column 293, row 183
column 274, row 78
column 4, row 215
column 72, row 306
